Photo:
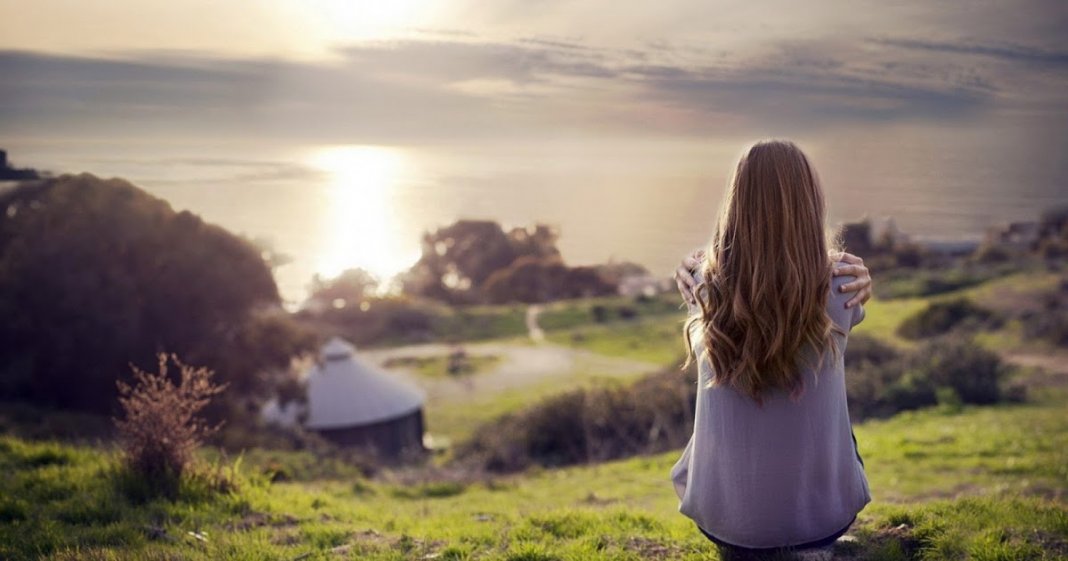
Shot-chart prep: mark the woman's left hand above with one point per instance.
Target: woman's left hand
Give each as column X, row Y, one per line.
column 862, row 284
column 684, row 276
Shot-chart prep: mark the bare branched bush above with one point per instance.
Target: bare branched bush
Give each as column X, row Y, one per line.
column 161, row 428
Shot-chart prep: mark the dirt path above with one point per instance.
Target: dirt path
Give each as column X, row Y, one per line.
column 1052, row 365
column 520, row 365
column 536, row 333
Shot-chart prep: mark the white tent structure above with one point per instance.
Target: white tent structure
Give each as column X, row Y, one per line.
column 353, row 403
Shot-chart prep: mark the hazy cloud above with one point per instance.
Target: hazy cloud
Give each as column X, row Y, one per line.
column 1007, row 52
column 449, row 85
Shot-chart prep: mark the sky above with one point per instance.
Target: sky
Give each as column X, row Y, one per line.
column 415, row 72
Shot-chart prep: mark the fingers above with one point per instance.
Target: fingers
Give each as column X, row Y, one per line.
column 690, row 263
column 860, row 297
column 852, row 270
column 686, row 284
column 861, row 282
column 850, row 258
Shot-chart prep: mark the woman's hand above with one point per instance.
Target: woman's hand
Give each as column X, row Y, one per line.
column 862, row 284
column 684, row 276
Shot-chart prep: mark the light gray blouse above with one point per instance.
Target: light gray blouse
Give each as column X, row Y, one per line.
column 783, row 474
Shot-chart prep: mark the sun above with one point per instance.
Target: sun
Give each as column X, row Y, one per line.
column 366, row 19
column 360, row 226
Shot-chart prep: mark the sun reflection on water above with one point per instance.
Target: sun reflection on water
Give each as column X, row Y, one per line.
column 361, row 226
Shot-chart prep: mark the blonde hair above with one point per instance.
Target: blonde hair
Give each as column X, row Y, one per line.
column 766, row 275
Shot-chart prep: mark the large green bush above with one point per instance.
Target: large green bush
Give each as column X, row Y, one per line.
column 589, row 424
column 950, row 367
column 942, row 316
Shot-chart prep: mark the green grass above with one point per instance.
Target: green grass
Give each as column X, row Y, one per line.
column 657, row 337
column 484, row 322
column 883, row 317
column 657, row 340
column 981, row 483
column 605, row 310
column 456, row 420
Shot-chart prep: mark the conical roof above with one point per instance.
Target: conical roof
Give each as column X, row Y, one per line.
column 345, row 391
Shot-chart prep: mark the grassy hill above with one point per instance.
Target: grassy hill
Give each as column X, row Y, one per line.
column 950, row 482
column 978, row 483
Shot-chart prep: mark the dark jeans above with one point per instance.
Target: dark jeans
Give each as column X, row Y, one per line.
column 807, row 545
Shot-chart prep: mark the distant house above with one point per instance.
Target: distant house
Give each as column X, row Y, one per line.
column 1015, row 236
column 354, row 404
column 643, row 285
column 950, row 247
column 857, row 237
column 8, row 173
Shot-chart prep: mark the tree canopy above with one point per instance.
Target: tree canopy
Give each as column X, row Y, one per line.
column 478, row 261
column 96, row 275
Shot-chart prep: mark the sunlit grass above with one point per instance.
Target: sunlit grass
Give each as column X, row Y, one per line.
column 948, row 483
column 657, row 340
column 986, row 482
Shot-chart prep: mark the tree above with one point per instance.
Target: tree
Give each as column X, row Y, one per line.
column 352, row 286
column 457, row 260
column 96, row 275
column 544, row 279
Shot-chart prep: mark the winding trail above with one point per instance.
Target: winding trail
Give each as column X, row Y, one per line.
column 521, row 365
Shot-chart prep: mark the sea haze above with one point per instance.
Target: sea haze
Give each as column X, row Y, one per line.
column 331, row 207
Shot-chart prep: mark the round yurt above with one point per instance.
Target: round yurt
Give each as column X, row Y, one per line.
column 353, row 403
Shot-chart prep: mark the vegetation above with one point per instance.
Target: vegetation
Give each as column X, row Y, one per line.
column 398, row 320
column 882, row 381
column 96, row 274
column 656, row 339
column 473, row 261
column 941, row 316
column 588, row 425
column 961, row 467
column 977, row 483
column 160, row 429
column 911, row 283
column 456, row 363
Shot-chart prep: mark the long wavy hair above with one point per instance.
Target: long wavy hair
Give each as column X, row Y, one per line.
column 766, row 275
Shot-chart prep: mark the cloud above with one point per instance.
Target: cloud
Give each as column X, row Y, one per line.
column 453, row 86
column 1009, row 52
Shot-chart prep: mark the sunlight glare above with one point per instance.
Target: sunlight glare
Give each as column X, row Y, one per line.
column 366, row 19
column 361, row 227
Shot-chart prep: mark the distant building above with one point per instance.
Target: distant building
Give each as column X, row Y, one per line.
column 643, row 285
column 950, row 247
column 1015, row 236
column 857, row 238
column 8, row 173
column 354, row 404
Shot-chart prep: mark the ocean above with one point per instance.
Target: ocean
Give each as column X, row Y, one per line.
column 334, row 206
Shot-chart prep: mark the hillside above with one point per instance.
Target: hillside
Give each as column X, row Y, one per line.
column 949, row 482
column 980, row 483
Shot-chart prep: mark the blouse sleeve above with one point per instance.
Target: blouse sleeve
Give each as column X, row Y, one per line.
column 858, row 315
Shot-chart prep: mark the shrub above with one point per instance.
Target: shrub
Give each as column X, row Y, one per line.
column 940, row 317
column 1049, row 325
column 588, row 424
column 973, row 372
column 161, row 427
column 947, row 370
column 872, row 369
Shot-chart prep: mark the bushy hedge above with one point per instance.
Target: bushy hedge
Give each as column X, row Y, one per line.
column 940, row 317
column 589, row 425
column 656, row 412
column 1050, row 323
column 881, row 381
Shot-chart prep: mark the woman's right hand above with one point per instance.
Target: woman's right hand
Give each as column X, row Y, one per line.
column 684, row 276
